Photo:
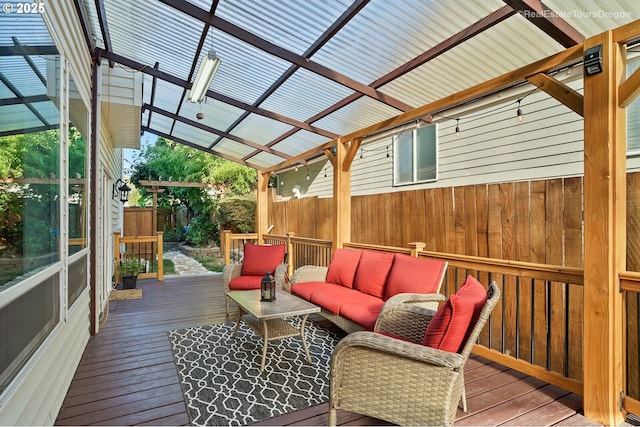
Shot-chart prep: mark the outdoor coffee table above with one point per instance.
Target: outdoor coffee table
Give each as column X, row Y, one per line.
column 267, row 317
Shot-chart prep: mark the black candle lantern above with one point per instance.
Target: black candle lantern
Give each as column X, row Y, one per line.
column 268, row 287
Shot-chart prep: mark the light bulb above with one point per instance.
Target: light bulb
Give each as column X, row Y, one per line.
column 519, row 114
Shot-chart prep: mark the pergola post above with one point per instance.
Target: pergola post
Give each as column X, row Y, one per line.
column 262, row 205
column 605, row 234
column 341, row 196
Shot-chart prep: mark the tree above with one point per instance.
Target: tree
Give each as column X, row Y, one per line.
column 167, row 160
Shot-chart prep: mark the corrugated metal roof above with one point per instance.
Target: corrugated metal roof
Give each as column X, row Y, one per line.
column 296, row 73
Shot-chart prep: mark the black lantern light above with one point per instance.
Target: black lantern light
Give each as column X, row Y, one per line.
column 268, row 287
column 121, row 192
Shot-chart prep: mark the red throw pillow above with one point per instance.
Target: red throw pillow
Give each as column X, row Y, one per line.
column 372, row 272
column 343, row 267
column 474, row 291
column 449, row 325
column 258, row 259
column 414, row 275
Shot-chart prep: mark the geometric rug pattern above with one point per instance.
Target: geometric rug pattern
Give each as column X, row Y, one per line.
column 221, row 379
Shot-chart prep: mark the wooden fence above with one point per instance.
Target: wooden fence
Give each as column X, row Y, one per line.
column 529, row 223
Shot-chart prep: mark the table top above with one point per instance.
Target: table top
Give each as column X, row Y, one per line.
column 284, row 305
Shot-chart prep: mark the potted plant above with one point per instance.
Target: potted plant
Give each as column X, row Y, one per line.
column 129, row 268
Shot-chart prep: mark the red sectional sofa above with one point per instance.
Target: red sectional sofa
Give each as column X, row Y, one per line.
column 355, row 286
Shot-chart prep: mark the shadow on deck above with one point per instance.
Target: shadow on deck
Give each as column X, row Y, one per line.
column 127, row 374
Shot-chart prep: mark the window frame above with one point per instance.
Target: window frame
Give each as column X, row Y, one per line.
column 414, row 156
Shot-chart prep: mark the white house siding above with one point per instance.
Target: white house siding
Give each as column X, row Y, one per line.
column 493, row 147
column 36, row 394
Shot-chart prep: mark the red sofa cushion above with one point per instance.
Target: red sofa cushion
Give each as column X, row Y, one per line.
column 258, row 259
column 372, row 272
column 449, row 325
column 306, row 289
column 342, row 268
column 243, row 283
column 365, row 312
column 333, row 296
column 414, row 275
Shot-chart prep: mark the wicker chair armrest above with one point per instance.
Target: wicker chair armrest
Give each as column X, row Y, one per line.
column 416, row 299
column 400, row 348
column 407, row 321
column 280, row 275
column 230, row 271
column 407, row 315
column 309, row 273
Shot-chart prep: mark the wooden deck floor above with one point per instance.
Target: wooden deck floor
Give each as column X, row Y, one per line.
column 127, row 375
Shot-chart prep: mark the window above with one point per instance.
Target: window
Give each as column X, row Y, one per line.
column 77, row 153
column 633, row 116
column 415, row 156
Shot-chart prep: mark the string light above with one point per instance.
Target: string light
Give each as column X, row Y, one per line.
column 361, row 153
column 457, row 128
column 308, row 177
column 519, row 112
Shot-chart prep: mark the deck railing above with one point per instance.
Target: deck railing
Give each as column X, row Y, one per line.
column 630, row 285
column 145, row 248
column 537, row 326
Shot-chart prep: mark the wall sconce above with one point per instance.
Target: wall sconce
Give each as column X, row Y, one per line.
column 207, row 69
column 593, row 60
column 121, row 192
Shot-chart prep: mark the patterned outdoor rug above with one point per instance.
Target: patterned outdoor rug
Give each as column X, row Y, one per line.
column 221, row 379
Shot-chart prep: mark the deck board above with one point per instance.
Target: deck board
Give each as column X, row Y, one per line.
column 127, row 375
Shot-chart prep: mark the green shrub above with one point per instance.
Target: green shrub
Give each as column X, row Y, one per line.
column 238, row 213
column 202, row 232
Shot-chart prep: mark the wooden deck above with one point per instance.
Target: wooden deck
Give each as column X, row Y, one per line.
column 127, row 375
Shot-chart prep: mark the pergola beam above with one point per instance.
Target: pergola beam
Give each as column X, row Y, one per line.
column 560, row 91
column 437, row 50
column 351, row 12
column 548, row 21
column 284, row 54
column 490, row 86
column 209, row 129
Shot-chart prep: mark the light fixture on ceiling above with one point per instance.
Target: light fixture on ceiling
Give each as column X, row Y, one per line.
column 207, row 69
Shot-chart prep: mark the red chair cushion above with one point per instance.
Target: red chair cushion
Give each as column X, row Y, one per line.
column 258, row 259
column 244, row 283
column 414, row 275
column 449, row 325
column 342, row 268
column 372, row 272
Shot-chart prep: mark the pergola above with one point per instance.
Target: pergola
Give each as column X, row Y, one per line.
column 303, row 96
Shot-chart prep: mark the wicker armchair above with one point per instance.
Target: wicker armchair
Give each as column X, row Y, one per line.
column 265, row 262
column 400, row 381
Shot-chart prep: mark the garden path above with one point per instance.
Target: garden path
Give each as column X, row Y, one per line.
column 185, row 264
